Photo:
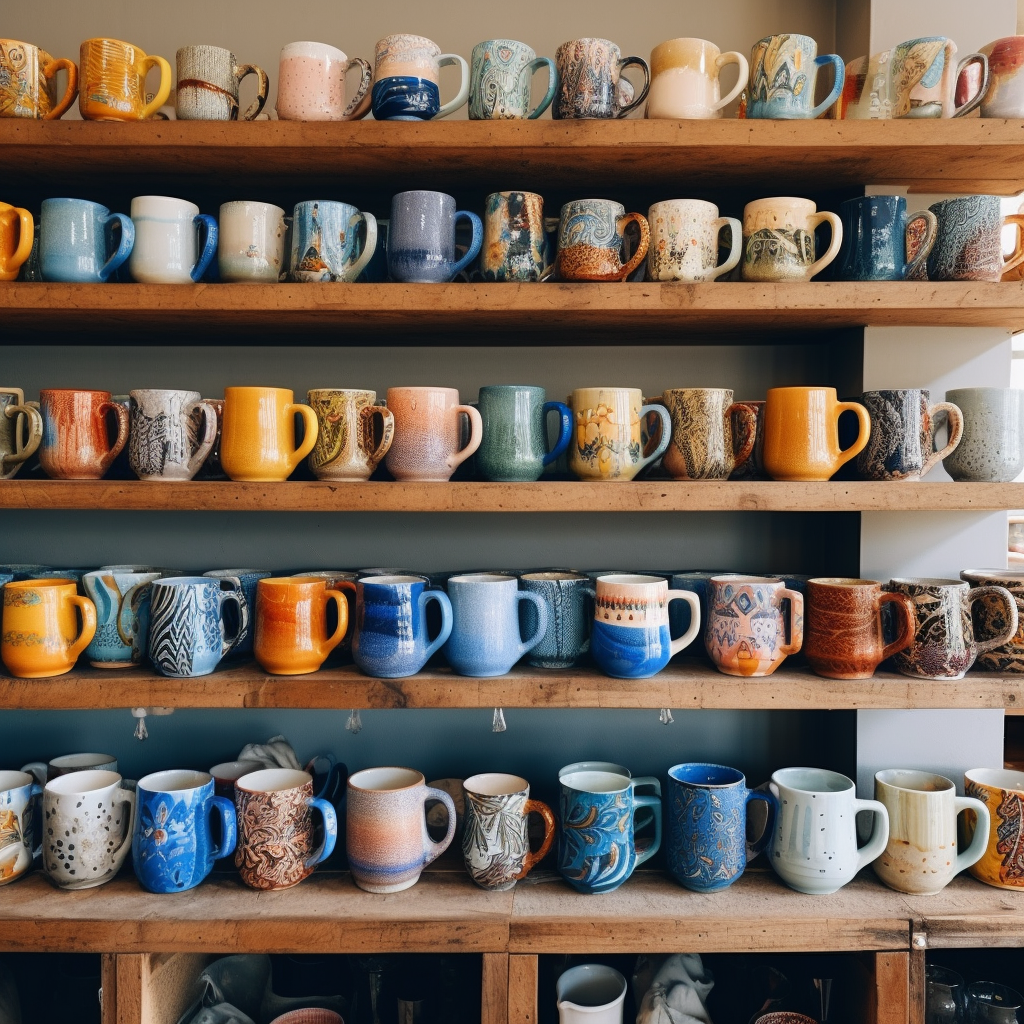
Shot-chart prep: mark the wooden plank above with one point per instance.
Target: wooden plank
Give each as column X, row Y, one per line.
column 171, row 985
column 968, row 913
column 494, row 998
column 108, row 988
column 523, row 971
column 892, row 988
column 916, row 996
column 131, row 971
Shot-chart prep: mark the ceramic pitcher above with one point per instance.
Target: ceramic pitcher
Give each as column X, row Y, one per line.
column 608, row 437
column 590, row 994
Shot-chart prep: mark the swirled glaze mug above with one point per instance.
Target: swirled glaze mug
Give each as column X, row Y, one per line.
column 590, row 83
column 607, row 444
column 684, row 241
column 112, row 77
column 28, row 82
column 703, row 446
column 591, row 237
column 311, row 84
column 208, row 81
column 406, row 79
column 122, row 617
column 783, row 72
column 21, row 431
column 346, row 443
column 685, row 79
column 779, row 242
column 501, row 73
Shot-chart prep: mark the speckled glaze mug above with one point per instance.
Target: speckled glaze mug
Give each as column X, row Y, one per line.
column 590, row 82
column 76, row 241
column 608, row 442
column 779, row 242
column 969, row 243
column 428, row 435
column 208, row 81
column 21, row 431
column 684, row 241
column 311, row 84
column 515, row 443
column 591, row 237
column 421, row 238
column 992, row 446
column 346, row 445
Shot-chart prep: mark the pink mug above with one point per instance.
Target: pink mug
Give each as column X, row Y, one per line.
column 428, row 433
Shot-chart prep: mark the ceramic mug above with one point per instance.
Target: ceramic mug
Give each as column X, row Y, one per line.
column 779, row 242
column 245, row 581
column 988, row 616
column 945, row 646
column 591, row 236
column 76, row 444
column 421, row 238
column 992, row 446
column 903, row 427
column 113, row 81
column 597, row 848
column 19, row 796
column 325, row 242
column 590, row 992
column 346, row 448
column 707, row 829
column 428, row 442
column 172, row 843
column 485, row 638
column 76, row 241
column 875, row 233
column 501, row 74
column 227, row 773
column 21, row 431
column 311, row 84
column 386, row 828
column 801, row 433
column 258, row 433
column 514, row 442
column 250, row 242
column 783, row 72
column 167, row 247
column 684, row 241
column 406, row 76
column 87, row 827
column 1004, row 96
column 495, row 841
column 702, row 445
column 590, row 83
column 28, row 82
column 515, row 245
column 968, row 244
column 567, row 637
column 170, row 433
column 208, row 81
column 608, row 441
column 685, row 80
column 44, row 772
column 291, row 624
column 921, row 856
column 17, row 239
column 1002, row 792
column 187, row 632
column 274, row 808
column 40, row 634
column 122, row 617
column 814, row 844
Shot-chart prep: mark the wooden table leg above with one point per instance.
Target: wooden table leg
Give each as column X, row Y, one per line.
column 522, row 989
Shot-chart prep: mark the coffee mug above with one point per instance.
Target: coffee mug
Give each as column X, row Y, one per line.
column 921, row 856
column 515, row 245
column 428, row 442
column 597, row 848
column 227, row 773
column 801, row 433
column 211, row 469
column 170, row 433
column 28, row 82
column 707, row 829
column 987, row 618
column 566, row 595
column 591, row 236
column 685, row 80
column 245, row 581
column 1002, row 792
column 608, row 443
column 783, row 72
column 76, row 241
column 167, row 247
column 21, row 431
column 590, row 83
column 19, row 796
column 44, row 771
column 113, row 81
column 875, row 232
column 208, row 81
column 1004, row 96
column 325, row 242
column 346, row 448
column 485, row 639
column 903, row 427
column 386, row 834
column 258, row 433
column 173, row 848
column 814, row 843
column 187, row 633
column 76, row 444
column 968, row 243
column 992, row 446
column 291, row 624
column 702, row 445
column 945, row 646
column 122, row 617
column 274, row 808
column 779, row 242
column 40, row 635
column 389, row 638
column 311, row 84
column 250, row 242
column 87, row 827
column 406, row 77
column 591, row 992
column 501, row 74
column 495, row 840
column 684, row 241
column 17, row 238
column 514, row 422
column 421, row 238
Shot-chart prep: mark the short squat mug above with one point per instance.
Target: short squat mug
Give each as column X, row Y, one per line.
column 250, row 242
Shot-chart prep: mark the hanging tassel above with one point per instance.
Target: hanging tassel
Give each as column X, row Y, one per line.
column 498, row 721
column 665, row 717
column 354, row 723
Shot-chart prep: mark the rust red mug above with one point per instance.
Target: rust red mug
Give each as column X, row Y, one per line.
column 76, row 440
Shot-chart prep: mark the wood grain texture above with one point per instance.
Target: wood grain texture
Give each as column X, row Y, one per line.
column 892, row 988
column 916, row 994
column 131, row 979
column 969, row 913
column 170, row 985
column 108, row 989
column 494, row 993
column 523, row 970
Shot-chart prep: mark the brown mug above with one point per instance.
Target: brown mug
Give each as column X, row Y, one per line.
column 703, row 445
column 76, row 444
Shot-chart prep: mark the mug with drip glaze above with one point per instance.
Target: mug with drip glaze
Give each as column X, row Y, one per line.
column 685, row 79
column 208, row 81
column 311, row 84
column 501, row 73
column 406, row 77
column 590, row 82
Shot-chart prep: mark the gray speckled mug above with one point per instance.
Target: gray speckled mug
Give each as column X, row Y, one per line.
column 992, row 447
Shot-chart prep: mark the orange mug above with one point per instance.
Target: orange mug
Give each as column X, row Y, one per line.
column 39, row 635
column 258, row 433
column 17, row 232
column 291, row 623
column 28, row 86
column 76, row 444
column 113, row 81
column 801, row 433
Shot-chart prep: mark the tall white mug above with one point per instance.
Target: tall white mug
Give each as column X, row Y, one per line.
column 167, row 246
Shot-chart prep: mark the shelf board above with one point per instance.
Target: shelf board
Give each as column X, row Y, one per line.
column 502, row 314
column 969, row 914
column 686, row 684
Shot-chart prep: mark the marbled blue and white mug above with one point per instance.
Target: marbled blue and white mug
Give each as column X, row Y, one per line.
column 501, row 73
column 406, row 84
column 325, row 241
column 76, row 241
column 421, row 239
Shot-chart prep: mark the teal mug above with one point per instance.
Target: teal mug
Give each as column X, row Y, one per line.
column 514, row 445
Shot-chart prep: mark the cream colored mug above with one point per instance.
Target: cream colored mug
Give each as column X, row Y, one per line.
column 778, row 239
column 684, row 79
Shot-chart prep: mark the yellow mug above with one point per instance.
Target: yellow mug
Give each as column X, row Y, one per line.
column 1002, row 791
column 28, row 86
column 39, row 636
column 17, row 232
column 801, row 433
column 113, row 81
column 258, row 433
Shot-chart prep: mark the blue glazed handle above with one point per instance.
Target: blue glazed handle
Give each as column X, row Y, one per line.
column 759, row 844
column 542, row 620
column 654, row 802
column 837, row 86
column 564, row 429
column 531, row 69
column 446, row 618
column 124, row 247
column 210, row 246
column 474, row 245
column 228, row 831
column 330, row 830
column 666, row 433
column 329, row 790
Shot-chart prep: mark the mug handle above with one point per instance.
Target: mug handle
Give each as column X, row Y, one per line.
column 309, row 439
column 26, row 238
column 209, row 248
column 647, row 780
column 121, row 415
column 342, row 628
column 326, row 808
column 432, row 850
column 637, row 62
column 532, row 858
column 975, row 101
column 531, row 69
column 564, row 429
column 833, row 248
column 476, row 435
column 209, row 436
column 982, row 826
column 24, row 447
column 234, row 594
column 1017, row 219
column 336, row 775
column 759, row 844
column 124, row 246
column 955, row 420
column 126, row 607
column 88, row 610
column 735, row 250
column 223, row 808
column 462, row 95
column 641, row 250
column 359, row 106
column 49, row 71
column 263, row 88
column 691, row 633
column 387, row 431
column 748, row 419
column 163, row 90
column 837, row 86
column 732, row 57
column 975, row 594
column 37, row 769
column 664, row 434
column 542, row 620
column 353, row 270
column 35, row 803
column 875, row 846
column 906, row 617
column 124, row 796
column 654, row 802
column 931, row 233
column 446, row 619
column 796, row 621
column 475, row 242
column 863, row 436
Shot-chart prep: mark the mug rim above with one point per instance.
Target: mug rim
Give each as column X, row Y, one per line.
column 842, row 581
column 554, row 576
column 47, row 582
column 326, row 49
column 219, row 574
column 71, row 199
column 515, row 42
column 984, row 388
column 1005, row 576
column 289, row 581
column 68, row 760
column 610, row 202
column 609, row 766
column 181, row 581
column 287, row 779
column 394, row 580
column 201, row 46
column 789, row 200
column 234, row 778
column 1011, row 780
column 416, row 778
column 510, row 785
column 505, row 193
column 7, row 774
column 73, row 391
column 888, row 776
column 341, row 391
column 926, row 581
column 669, row 202
column 739, row 780
column 111, row 39
column 802, row 388
column 163, row 200
column 421, row 191
column 164, row 391
column 78, row 783
column 751, row 580
column 481, row 577
column 174, row 781
column 684, row 39
column 591, row 970
column 588, row 39
column 779, row 778
column 627, row 782
column 632, row 579
column 257, row 387
column 713, row 391
column 252, row 202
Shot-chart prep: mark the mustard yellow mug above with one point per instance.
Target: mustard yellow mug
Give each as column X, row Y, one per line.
column 1002, row 791
column 39, row 635
column 112, row 81
column 17, row 231
column 258, row 433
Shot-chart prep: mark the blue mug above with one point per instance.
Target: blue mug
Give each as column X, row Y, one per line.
column 406, row 76
column 172, row 844
column 707, row 826
column 245, row 580
column 567, row 596
column 783, row 71
column 597, row 848
column 875, row 231
column 390, row 639
column 485, row 639
column 122, row 617
column 326, row 244
column 76, row 241
column 421, row 239
column 515, row 438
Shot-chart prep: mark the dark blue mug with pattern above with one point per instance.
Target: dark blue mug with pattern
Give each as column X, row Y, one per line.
column 173, row 848
column 569, row 598
column 597, row 849
column 707, row 825
column 875, row 234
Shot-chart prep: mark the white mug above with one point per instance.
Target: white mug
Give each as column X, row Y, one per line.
column 311, row 84
column 250, row 242
column 684, row 241
column 684, row 79
column 814, row 845
column 590, row 994
column 167, row 249
column 18, row 793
